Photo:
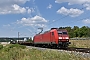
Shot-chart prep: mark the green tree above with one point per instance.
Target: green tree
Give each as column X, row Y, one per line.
column 70, row 31
column 76, row 31
column 29, row 40
column 84, row 31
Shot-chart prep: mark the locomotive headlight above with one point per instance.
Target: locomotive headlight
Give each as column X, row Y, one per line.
column 67, row 37
column 60, row 37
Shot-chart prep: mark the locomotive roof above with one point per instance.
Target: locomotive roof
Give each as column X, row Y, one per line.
column 58, row 29
column 52, row 29
column 55, row 29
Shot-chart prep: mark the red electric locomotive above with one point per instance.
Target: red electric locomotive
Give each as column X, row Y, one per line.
column 54, row 38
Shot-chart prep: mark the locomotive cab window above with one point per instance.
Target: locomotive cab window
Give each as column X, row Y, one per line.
column 52, row 33
column 59, row 32
column 64, row 32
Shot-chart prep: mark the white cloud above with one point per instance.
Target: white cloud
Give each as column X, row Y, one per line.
column 49, row 6
column 73, row 1
column 87, row 6
column 87, row 21
column 34, row 21
column 8, row 25
column 30, row 10
column 85, row 3
column 13, row 7
column 18, row 9
column 71, row 12
column 11, row 2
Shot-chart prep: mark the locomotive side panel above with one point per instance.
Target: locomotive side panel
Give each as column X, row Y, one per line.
column 46, row 38
column 38, row 39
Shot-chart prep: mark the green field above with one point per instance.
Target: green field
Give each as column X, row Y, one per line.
column 18, row 52
column 80, row 43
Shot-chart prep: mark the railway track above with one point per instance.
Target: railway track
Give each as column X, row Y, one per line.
column 83, row 50
column 75, row 51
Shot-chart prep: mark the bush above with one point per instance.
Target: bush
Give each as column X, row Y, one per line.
column 17, row 46
column 11, row 46
column 29, row 40
column 1, row 46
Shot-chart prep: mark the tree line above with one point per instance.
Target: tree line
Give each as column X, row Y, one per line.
column 76, row 31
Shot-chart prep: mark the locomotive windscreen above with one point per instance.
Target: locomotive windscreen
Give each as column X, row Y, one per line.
column 62, row 32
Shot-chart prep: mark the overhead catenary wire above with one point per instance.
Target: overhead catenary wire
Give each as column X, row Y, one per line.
column 58, row 19
column 63, row 18
column 79, row 19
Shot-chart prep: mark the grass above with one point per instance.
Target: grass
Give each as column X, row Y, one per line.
column 18, row 52
column 80, row 43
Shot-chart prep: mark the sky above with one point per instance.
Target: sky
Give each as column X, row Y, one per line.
column 26, row 16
